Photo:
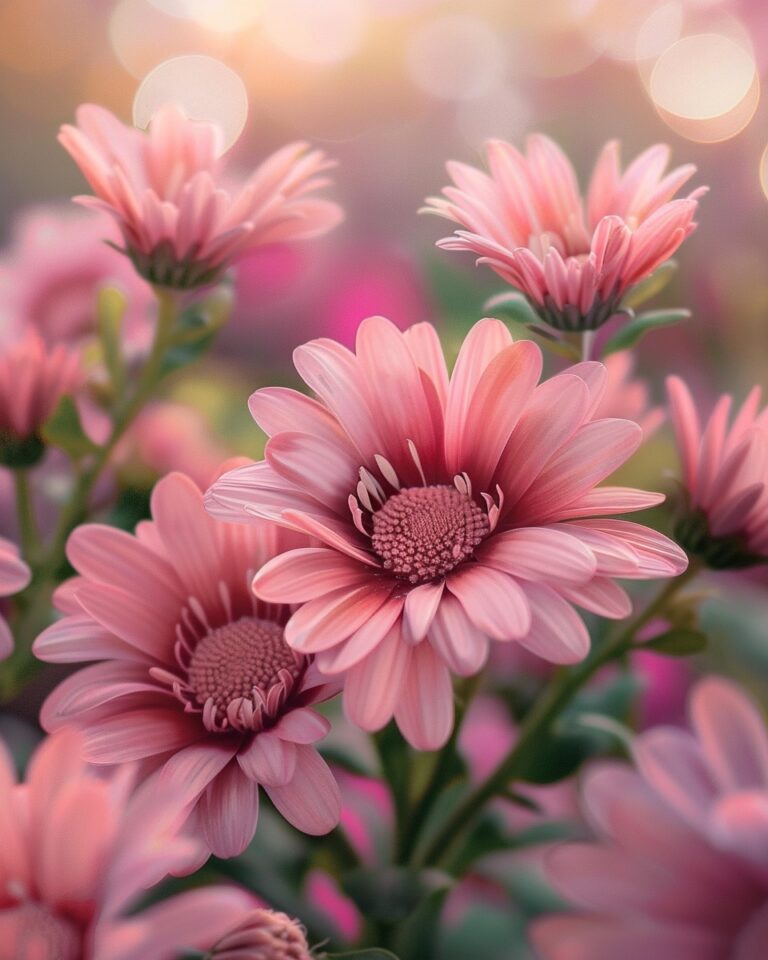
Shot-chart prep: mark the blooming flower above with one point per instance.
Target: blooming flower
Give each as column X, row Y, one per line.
column 180, row 226
column 14, row 576
column 33, row 378
column 263, row 935
column 725, row 479
column 573, row 258
column 79, row 849
column 197, row 678
column 680, row 869
column 52, row 272
column 451, row 512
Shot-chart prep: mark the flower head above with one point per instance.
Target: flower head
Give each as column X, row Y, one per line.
column 573, row 258
column 14, row 576
column 78, row 851
column 263, row 935
column 197, row 678
column 33, row 379
column 180, row 225
column 725, row 479
column 450, row 511
column 680, row 869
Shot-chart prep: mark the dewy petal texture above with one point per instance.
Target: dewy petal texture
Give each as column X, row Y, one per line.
column 573, row 259
column 453, row 512
column 180, row 221
column 197, row 680
column 680, row 865
column 80, row 849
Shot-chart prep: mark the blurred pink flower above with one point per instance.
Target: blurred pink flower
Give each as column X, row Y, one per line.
column 52, row 272
column 627, row 396
column 196, row 677
column 180, row 225
column 680, row 871
column 451, row 513
column 574, row 258
column 324, row 894
column 169, row 436
column 724, row 476
column 33, row 378
column 14, row 576
column 78, row 851
column 263, row 935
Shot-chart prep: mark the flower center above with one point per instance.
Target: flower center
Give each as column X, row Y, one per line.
column 34, row 931
column 424, row 532
column 240, row 671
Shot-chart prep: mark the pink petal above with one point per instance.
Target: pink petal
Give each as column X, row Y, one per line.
column 325, row 622
column 557, row 633
column 139, row 734
column 539, row 553
column 228, row 811
column 311, row 801
column 492, row 600
column 302, row 726
column 424, row 711
column 306, row 574
column 268, row 759
column 421, row 604
column 458, row 641
column 373, row 687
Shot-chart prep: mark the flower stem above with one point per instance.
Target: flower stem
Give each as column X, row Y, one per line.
column 28, row 531
column 555, row 698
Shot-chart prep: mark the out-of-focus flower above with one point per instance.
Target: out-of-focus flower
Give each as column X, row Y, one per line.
column 14, row 576
column 263, row 935
column 725, row 474
column 33, row 378
column 180, row 225
column 681, row 869
column 323, row 892
column 52, row 272
column 172, row 436
column 197, row 678
column 451, row 512
column 78, row 851
column 627, row 396
column 573, row 258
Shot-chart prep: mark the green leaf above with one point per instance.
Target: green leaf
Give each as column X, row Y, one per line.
column 373, row 953
column 64, row 429
column 386, row 894
column 678, row 642
column 514, row 306
column 418, row 934
column 110, row 311
column 636, row 329
column 652, row 285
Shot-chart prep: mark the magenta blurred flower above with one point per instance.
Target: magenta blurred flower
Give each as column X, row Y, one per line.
column 451, row 513
column 52, row 272
column 33, row 379
column 78, row 850
column 196, row 677
column 627, row 396
column 263, row 935
column 680, row 871
column 724, row 476
column 574, row 258
column 180, row 225
column 14, row 576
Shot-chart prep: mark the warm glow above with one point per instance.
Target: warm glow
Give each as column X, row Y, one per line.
column 456, row 58
column 205, row 88
column 326, row 32
column 226, row 16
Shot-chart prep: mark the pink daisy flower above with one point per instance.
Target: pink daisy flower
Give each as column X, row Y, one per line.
column 14, row 576
column 181, row 226
column 451, row 512
column 197, row 678
column 33, row 379
column 680, row 869
column 574, row 258
column 79, row 849
column 725, row 476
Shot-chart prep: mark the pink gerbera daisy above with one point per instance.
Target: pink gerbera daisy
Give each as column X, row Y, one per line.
column 680, row 869
column 725, row 476
column 78, row 850
column 180, row 224
column 451, row 512
column 33, row 378
column 14, row 576
column 197, row 677
column 574, row 259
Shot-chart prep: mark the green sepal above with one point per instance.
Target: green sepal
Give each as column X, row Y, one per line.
column 649, row 287
column 678, row 642
column 64, row 429
column 20, row 453
column 633, row 331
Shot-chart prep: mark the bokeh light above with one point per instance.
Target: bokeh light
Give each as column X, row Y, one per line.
column 226, row 16
column 326, row 32
column 205, row 88
column 456, row 58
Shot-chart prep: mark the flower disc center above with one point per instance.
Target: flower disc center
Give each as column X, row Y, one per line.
column 424, row 532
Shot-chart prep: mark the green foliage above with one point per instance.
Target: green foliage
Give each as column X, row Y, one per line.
column 652, row 285
column 110, row 311
column 633, row 331
column 373, row 953
column 678, row 642
column 64, row 429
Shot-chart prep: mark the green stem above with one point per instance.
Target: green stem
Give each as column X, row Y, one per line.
column 556, row 697
column 30, row 538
